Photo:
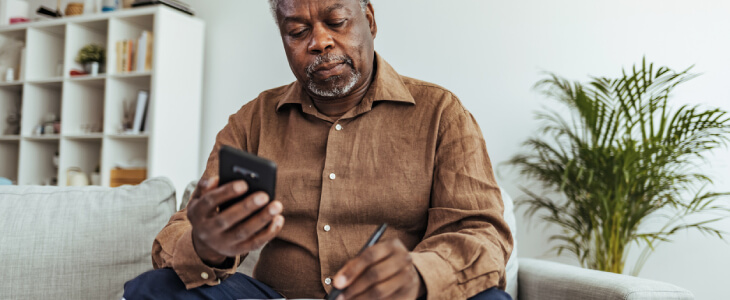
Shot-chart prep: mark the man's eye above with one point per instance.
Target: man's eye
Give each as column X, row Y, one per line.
column 297, row 33
column 337, row 23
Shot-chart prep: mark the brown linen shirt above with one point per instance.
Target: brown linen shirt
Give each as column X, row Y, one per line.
column 409, row 154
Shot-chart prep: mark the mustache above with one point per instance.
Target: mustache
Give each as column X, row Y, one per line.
column 327, row 58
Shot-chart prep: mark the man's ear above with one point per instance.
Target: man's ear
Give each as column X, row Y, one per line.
column 370, row 15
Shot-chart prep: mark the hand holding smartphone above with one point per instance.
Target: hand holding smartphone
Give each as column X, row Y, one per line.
column 231, row 218
column 259, row 173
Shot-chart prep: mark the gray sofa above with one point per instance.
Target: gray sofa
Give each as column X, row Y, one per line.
column 85, row 243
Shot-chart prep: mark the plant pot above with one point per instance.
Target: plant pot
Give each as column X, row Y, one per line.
column 93, row 68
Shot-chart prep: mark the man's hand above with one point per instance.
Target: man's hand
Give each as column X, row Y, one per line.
column 218, row 235
column 383, row 271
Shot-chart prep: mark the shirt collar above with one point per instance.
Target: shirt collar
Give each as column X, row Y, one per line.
column 386, row 86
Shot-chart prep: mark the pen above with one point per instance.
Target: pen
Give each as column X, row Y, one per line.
column 371, row 241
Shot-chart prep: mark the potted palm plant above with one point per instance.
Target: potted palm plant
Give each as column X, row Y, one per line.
column 622, row 156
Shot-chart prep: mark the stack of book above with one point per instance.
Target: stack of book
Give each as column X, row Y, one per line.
column 176, row 4
column 135, row 55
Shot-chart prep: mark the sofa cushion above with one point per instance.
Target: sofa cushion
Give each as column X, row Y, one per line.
column 79, row 242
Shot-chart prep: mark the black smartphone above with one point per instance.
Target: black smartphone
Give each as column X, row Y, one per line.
column 259, row 173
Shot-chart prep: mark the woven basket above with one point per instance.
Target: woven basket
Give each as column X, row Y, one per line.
column 74, row 8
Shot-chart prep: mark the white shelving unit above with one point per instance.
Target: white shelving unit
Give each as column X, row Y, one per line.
column 169, row 144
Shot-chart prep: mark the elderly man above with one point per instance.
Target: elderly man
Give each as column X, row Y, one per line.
column 357, row 145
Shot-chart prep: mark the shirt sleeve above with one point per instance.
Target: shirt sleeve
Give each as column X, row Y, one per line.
column 173, row 246
column 467, row 241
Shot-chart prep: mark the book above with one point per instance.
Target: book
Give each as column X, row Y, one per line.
column 119, row 56
column 183, row 7
column 148, row 53
column 141, row 52
column 130, row 56
column 135, row 55
column 139, row 115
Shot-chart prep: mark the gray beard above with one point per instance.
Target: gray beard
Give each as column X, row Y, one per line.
column 337, row 91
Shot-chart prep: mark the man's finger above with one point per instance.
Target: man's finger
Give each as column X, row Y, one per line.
column 263, row 236
column 385, row 289
column 359, row 264
column 203, row 186
column 248, row 228
column 378, row 273
column 214, row 198
column 240, row 211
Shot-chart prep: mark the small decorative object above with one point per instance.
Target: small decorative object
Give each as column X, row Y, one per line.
column 127, row 3
column 89, row 54
column 51, row 125
column 13, row 121
column 624, row 158
column 96, row 176
column 74, row 9
column 110, row 5
column 76, row 177
column 75, row 72
column 55, row 159
column 128, row 117
column 94, row 68
column 10, row 75
column 48, row 129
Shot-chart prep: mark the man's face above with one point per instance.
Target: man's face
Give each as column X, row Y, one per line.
column 329, row 44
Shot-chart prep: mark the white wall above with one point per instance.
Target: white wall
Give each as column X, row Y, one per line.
column 490, row 53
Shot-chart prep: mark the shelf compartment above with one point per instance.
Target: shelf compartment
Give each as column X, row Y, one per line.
column 39, row 101
column 83, row 107
column 120, row 92
column 82, row 154
column 118, row 152
column 81, row 34
column 126, row 28
column 37, row 165
column 9, row 154
column 13, row 45
column 45, row 55
column 10, row 103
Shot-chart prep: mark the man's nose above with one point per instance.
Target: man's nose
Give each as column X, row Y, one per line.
column 321, row 41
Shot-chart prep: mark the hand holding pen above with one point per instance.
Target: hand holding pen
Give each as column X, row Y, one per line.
column 380, row 271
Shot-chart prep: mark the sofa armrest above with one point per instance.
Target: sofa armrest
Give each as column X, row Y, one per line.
column 543, row 280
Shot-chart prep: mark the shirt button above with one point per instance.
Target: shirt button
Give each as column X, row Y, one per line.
column 333, row 176
column 338, row 127
column 326, row 228
column 327, row 281
column 204, row 275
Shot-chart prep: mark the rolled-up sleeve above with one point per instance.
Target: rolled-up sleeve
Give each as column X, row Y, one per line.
column 173, row 246
column 467, row 241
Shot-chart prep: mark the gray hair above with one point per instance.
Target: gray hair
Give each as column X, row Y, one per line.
column 275, row 4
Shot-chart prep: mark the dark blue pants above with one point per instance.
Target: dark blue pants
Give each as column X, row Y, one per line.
column 165, row 284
